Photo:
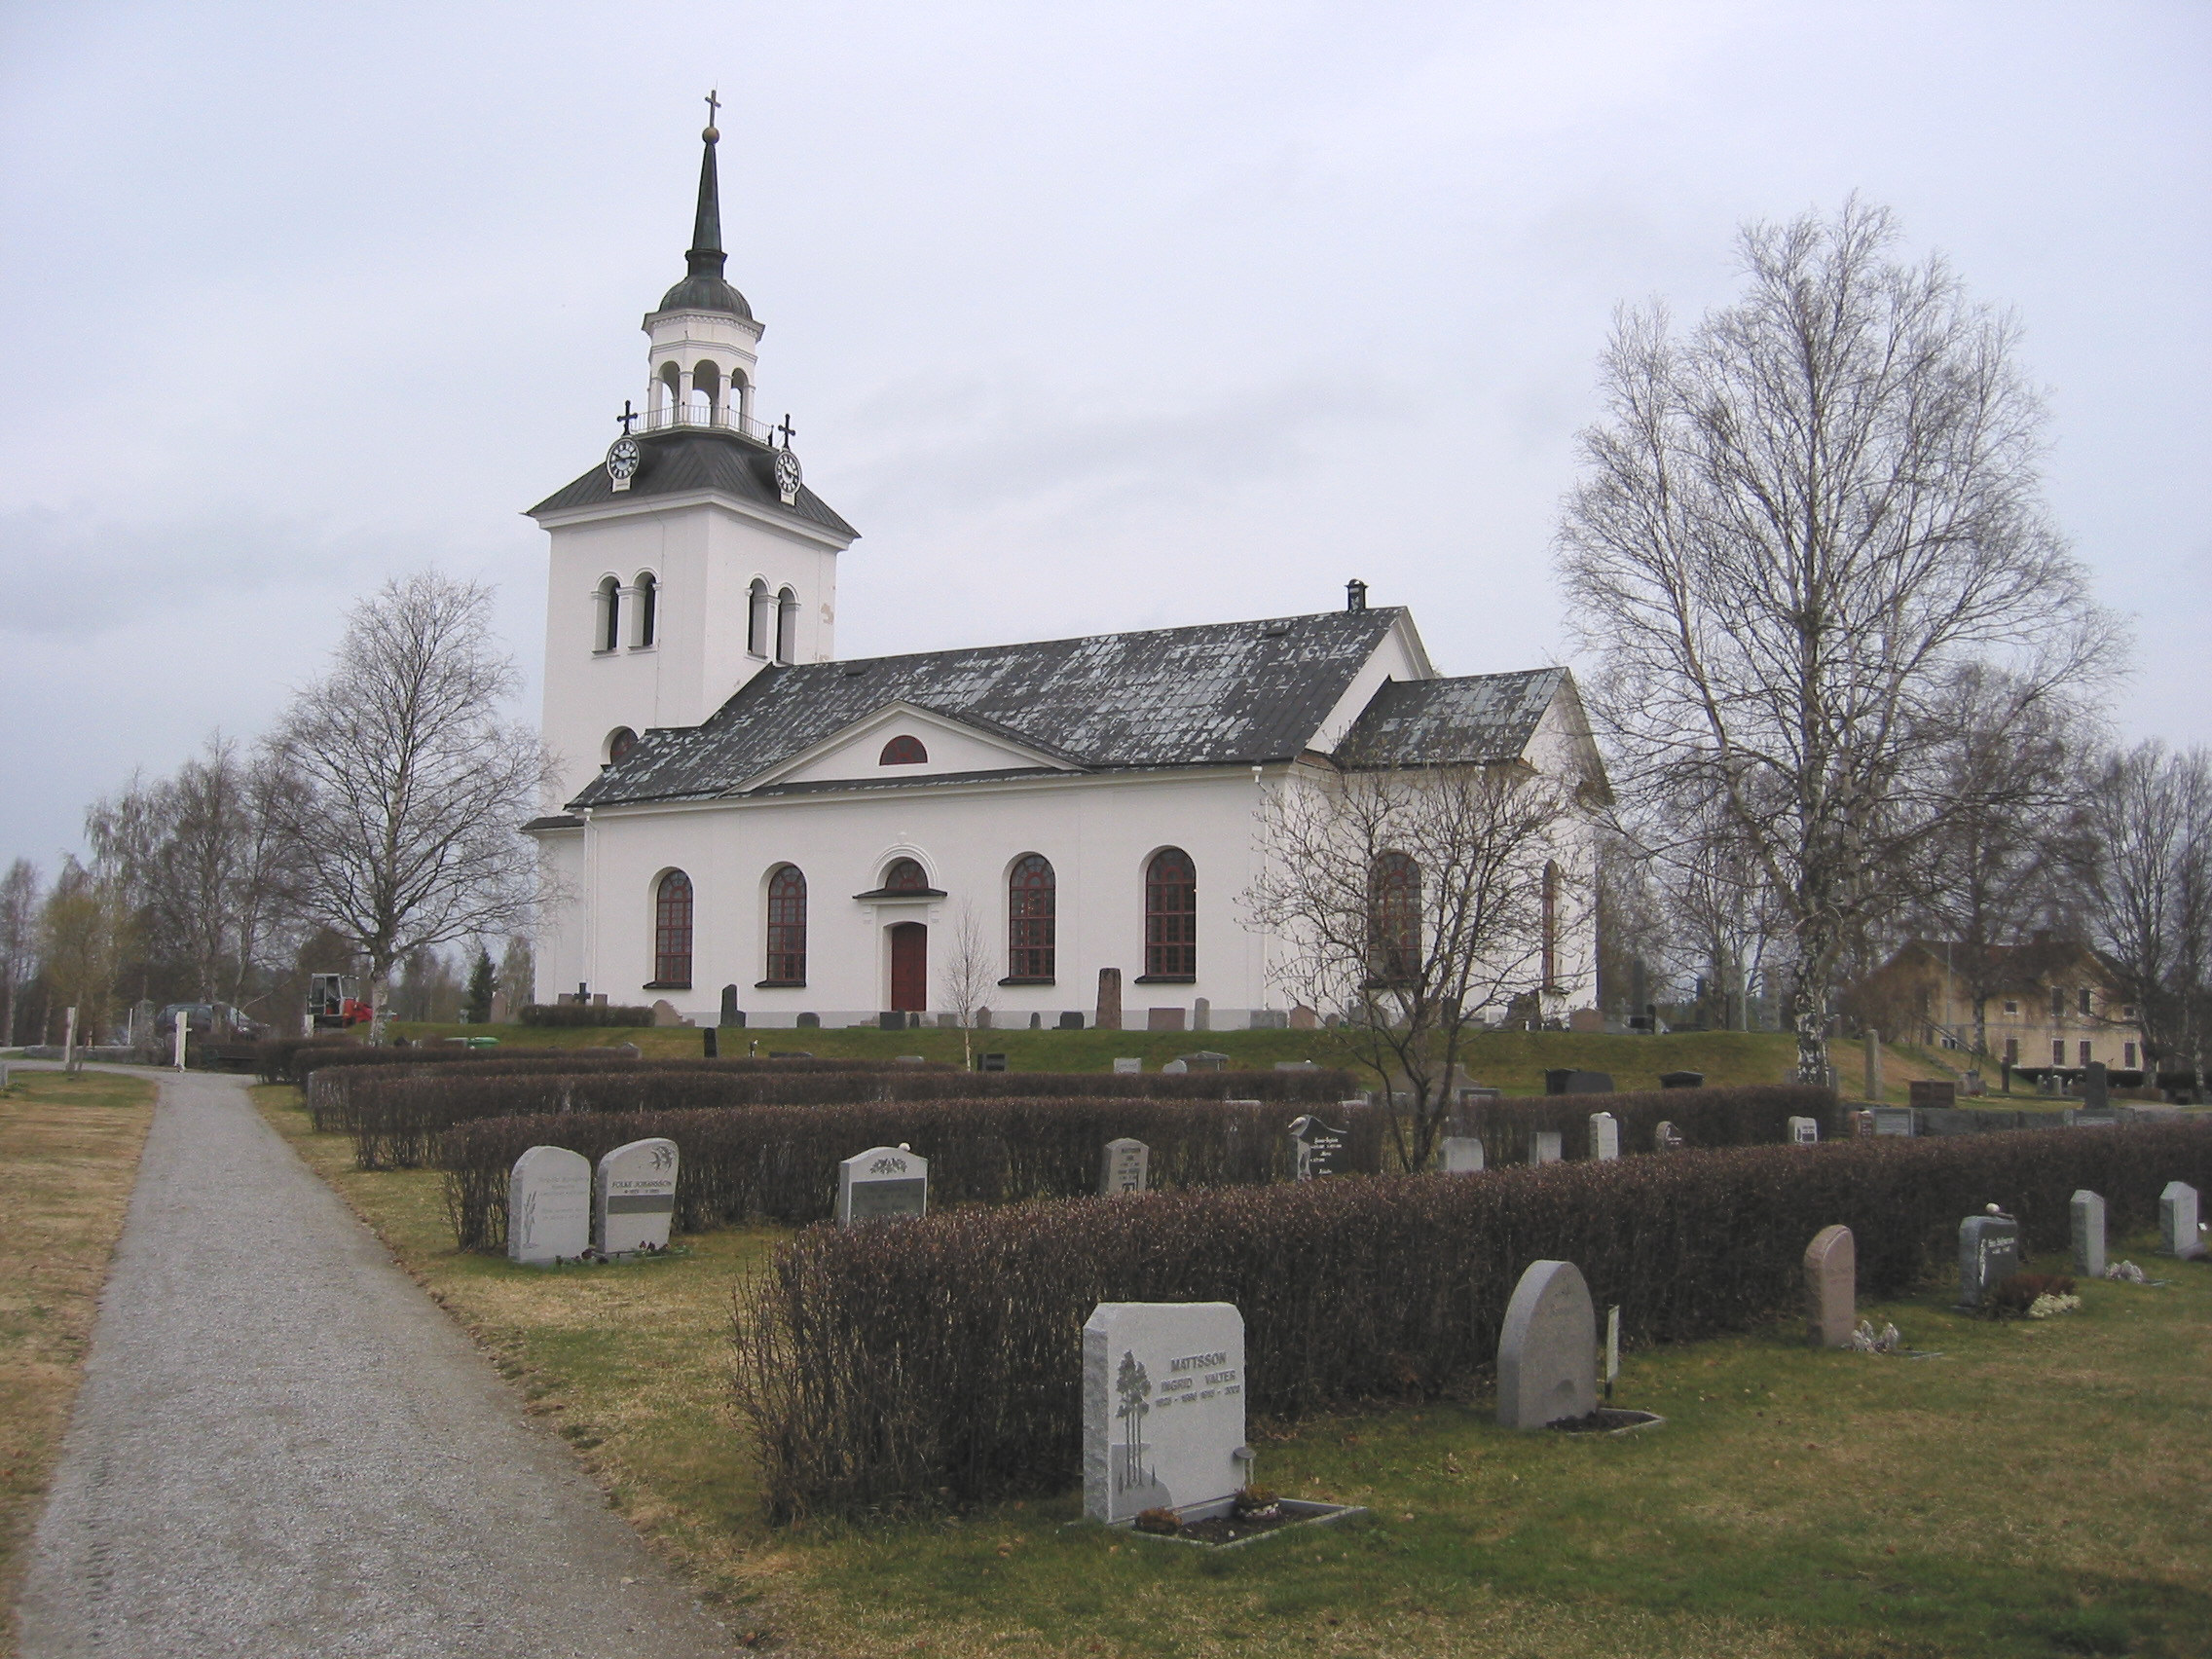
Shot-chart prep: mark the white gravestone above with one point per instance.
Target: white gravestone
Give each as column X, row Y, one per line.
column 1543, row 1146
column 636, row 1198
column 2088, row 1212
column 1804, row 1131
column 1163, row 1409
column 1128, row 1068
column 548, row 1207
column 1127, row 1164
column 1605, row 1136
column 2177, row 1222
column 1547, row 1352
column 882, row 1182
column 1989, row 1254
column 1463, row 1155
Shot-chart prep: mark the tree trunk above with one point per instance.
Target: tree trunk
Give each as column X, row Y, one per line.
column 1809, row 1018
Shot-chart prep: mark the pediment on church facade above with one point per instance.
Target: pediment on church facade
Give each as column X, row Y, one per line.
column 902, row 742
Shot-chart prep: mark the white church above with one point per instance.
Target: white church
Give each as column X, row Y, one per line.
column 751, row 826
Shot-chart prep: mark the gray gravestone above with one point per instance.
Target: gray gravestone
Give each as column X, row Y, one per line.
column 1128, row 1068
column 2096, row 1088
column 1989, row 1254
column 1893, row 1120
column 1461, row 1154
column 2177, row 1222
column 548, row 1207
column 1128, row 1164
column 636, row 1198
column 1804, row 1131
column 1316, row 1148
column 1667, row 1138
column 881, row 1183
column 1547, row 1352
column 2087, row 1211
column 1832, row 1287
column 1605, row 1136
column 1173, row 1068
column 1163, row 1409
column 1544, row 1146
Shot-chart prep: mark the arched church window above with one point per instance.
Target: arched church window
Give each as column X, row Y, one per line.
column 671, row 933
column 787, row 626
column 761, row 608
column 787, row 927
column 1393, row 920
column 1032, row 901
column 903, row 750
column 609, row 634
column 648, row 607
column 1551, row 927
column 619, row 742
column 905, row 875
column 1172, row 917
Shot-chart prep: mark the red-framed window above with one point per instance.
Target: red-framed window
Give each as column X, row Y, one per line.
column 672, row 932
column 1031, row 902
column 1171, row 915
column 905, row 877
column 903, row 750
column 787, row 926
column 1394, row 919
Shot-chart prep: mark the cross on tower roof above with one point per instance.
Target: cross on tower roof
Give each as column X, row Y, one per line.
column 787, row 430
column 714, row 106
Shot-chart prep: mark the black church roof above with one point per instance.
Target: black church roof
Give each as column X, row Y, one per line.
column 687, row 460
column 1443, row 722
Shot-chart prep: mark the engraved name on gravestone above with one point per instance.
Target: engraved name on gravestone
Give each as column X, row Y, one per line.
column 1127, row 1164
column 1460, row 1154
column 881, row 1183
column 1989, row 1254
column 548, row 1207
column 1832, row 1287
column 1163, row 1409
column 1804, row 1131
column 1544, row 1146
column 1547, row 1352
column 636, row 1198
column 2177, row 1222
column 1605, row 1136
column 2088, row 1213
column 1316, row 1148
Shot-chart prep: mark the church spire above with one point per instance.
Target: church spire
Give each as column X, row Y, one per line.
column 705, row 255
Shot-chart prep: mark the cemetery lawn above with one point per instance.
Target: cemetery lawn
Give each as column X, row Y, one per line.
column 68, row 1156
column 2037, row 1490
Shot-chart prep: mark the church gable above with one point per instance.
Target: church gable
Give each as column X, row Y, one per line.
column 900, row 743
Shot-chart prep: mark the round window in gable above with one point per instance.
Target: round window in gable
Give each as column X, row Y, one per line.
column 904, row 751
column 619, row 742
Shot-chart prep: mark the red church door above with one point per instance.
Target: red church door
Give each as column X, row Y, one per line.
column 910, row 968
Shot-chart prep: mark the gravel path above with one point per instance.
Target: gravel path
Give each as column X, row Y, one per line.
column 284, row 1448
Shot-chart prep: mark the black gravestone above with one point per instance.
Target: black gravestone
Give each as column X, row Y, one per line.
column 1568, row 1081
column 1682, row 1080
column 1316, row 1149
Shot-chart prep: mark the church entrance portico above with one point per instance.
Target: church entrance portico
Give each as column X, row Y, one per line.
column 910, row 967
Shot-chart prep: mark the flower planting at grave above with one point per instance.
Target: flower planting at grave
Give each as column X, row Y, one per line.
column 906, row 1363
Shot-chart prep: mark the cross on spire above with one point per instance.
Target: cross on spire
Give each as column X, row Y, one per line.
column 714, row 107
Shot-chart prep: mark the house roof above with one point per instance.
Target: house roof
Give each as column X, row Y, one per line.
column 1233, row 693
column 1440, row 723
column 2029, row 966
column 688, row 460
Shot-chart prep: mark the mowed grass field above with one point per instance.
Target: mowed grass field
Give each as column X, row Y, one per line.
column 2039, row 1489
column 68, row 1156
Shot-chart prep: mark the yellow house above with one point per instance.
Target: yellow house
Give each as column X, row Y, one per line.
column 2047, row 1003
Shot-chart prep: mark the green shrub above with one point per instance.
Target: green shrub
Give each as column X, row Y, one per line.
column 571, row 1016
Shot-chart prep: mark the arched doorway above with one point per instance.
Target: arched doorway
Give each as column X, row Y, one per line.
column 910, row 967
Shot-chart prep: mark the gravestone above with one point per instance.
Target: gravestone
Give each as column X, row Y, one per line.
column 1071, row 1022
column 1128, row 1164
column 1934, row 1094
column 1989, row 1254
column 1124, row 1067
column 1547, row 1352
column 2096, row 1088
column 1316, row 1148
column 1174, row 1068
column 1163, row 1409
column 882, row 1183
column 548, row 1207
column 731, row 1013
column 1682, row 1080
column 1605, row 1137
column 636, row 1198
column 2177, row 1222
column 1543, row 1146
column 710, row 1042
column 1832, row 1287
column 1859, row 1123
column 1202, row 1014
column 1206, row 1059
column 1164, row 1018
column 1667, row 1138
column 1565, row 1080
column 1303, row 1018
column 1460, row 1154
column 664, row 1013
column 1893, row 1120
column 2088, row 1212
column 990, row 1062
column 1804, row 1131
column 1109, row 1012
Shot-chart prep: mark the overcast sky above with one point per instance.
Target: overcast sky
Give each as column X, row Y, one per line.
column 1090, row 317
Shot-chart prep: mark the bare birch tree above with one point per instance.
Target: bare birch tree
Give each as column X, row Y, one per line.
column 404, row 819
column 1797, row 523
column 1412, row 903
column 20, row 894
column 971, row 968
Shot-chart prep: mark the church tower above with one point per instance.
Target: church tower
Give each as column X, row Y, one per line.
column 694, row 556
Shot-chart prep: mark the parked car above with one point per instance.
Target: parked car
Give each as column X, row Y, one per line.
column 210, row 1019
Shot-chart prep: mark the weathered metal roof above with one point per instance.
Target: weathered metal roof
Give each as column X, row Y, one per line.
column 1438, row 723
column 1234, row 693
column 686, row 460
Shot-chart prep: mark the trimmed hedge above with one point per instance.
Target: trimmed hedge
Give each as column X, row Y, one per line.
column 296, row 1059
column 574, row 1015
column 395, row 1122
column 1749, row 1115
column 887, row 1365
column 780, row 1163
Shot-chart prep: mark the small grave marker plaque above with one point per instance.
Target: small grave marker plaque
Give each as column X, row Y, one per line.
column 1163, row 1409
column 882, row 1183
column 1547, row 1352
column 1605, row 1137
column 1129, row 1162
column 2088, row 1213
column 2177, row 1222
column 1832, row 1287
column 1460, row 1154
column 1316, row 1148
column 548, row 1207
column 636, row 1198
column 1989, row 1254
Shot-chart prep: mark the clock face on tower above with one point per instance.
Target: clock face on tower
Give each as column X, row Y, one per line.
column 787, row 475
column 623, row 458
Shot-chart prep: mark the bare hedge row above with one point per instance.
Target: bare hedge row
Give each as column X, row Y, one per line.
column 1751, row 1115
column 780, row 1163
column 396, row 1120
column 885, row 1365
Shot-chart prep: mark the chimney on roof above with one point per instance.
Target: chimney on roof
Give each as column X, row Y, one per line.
column 1356, row 595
